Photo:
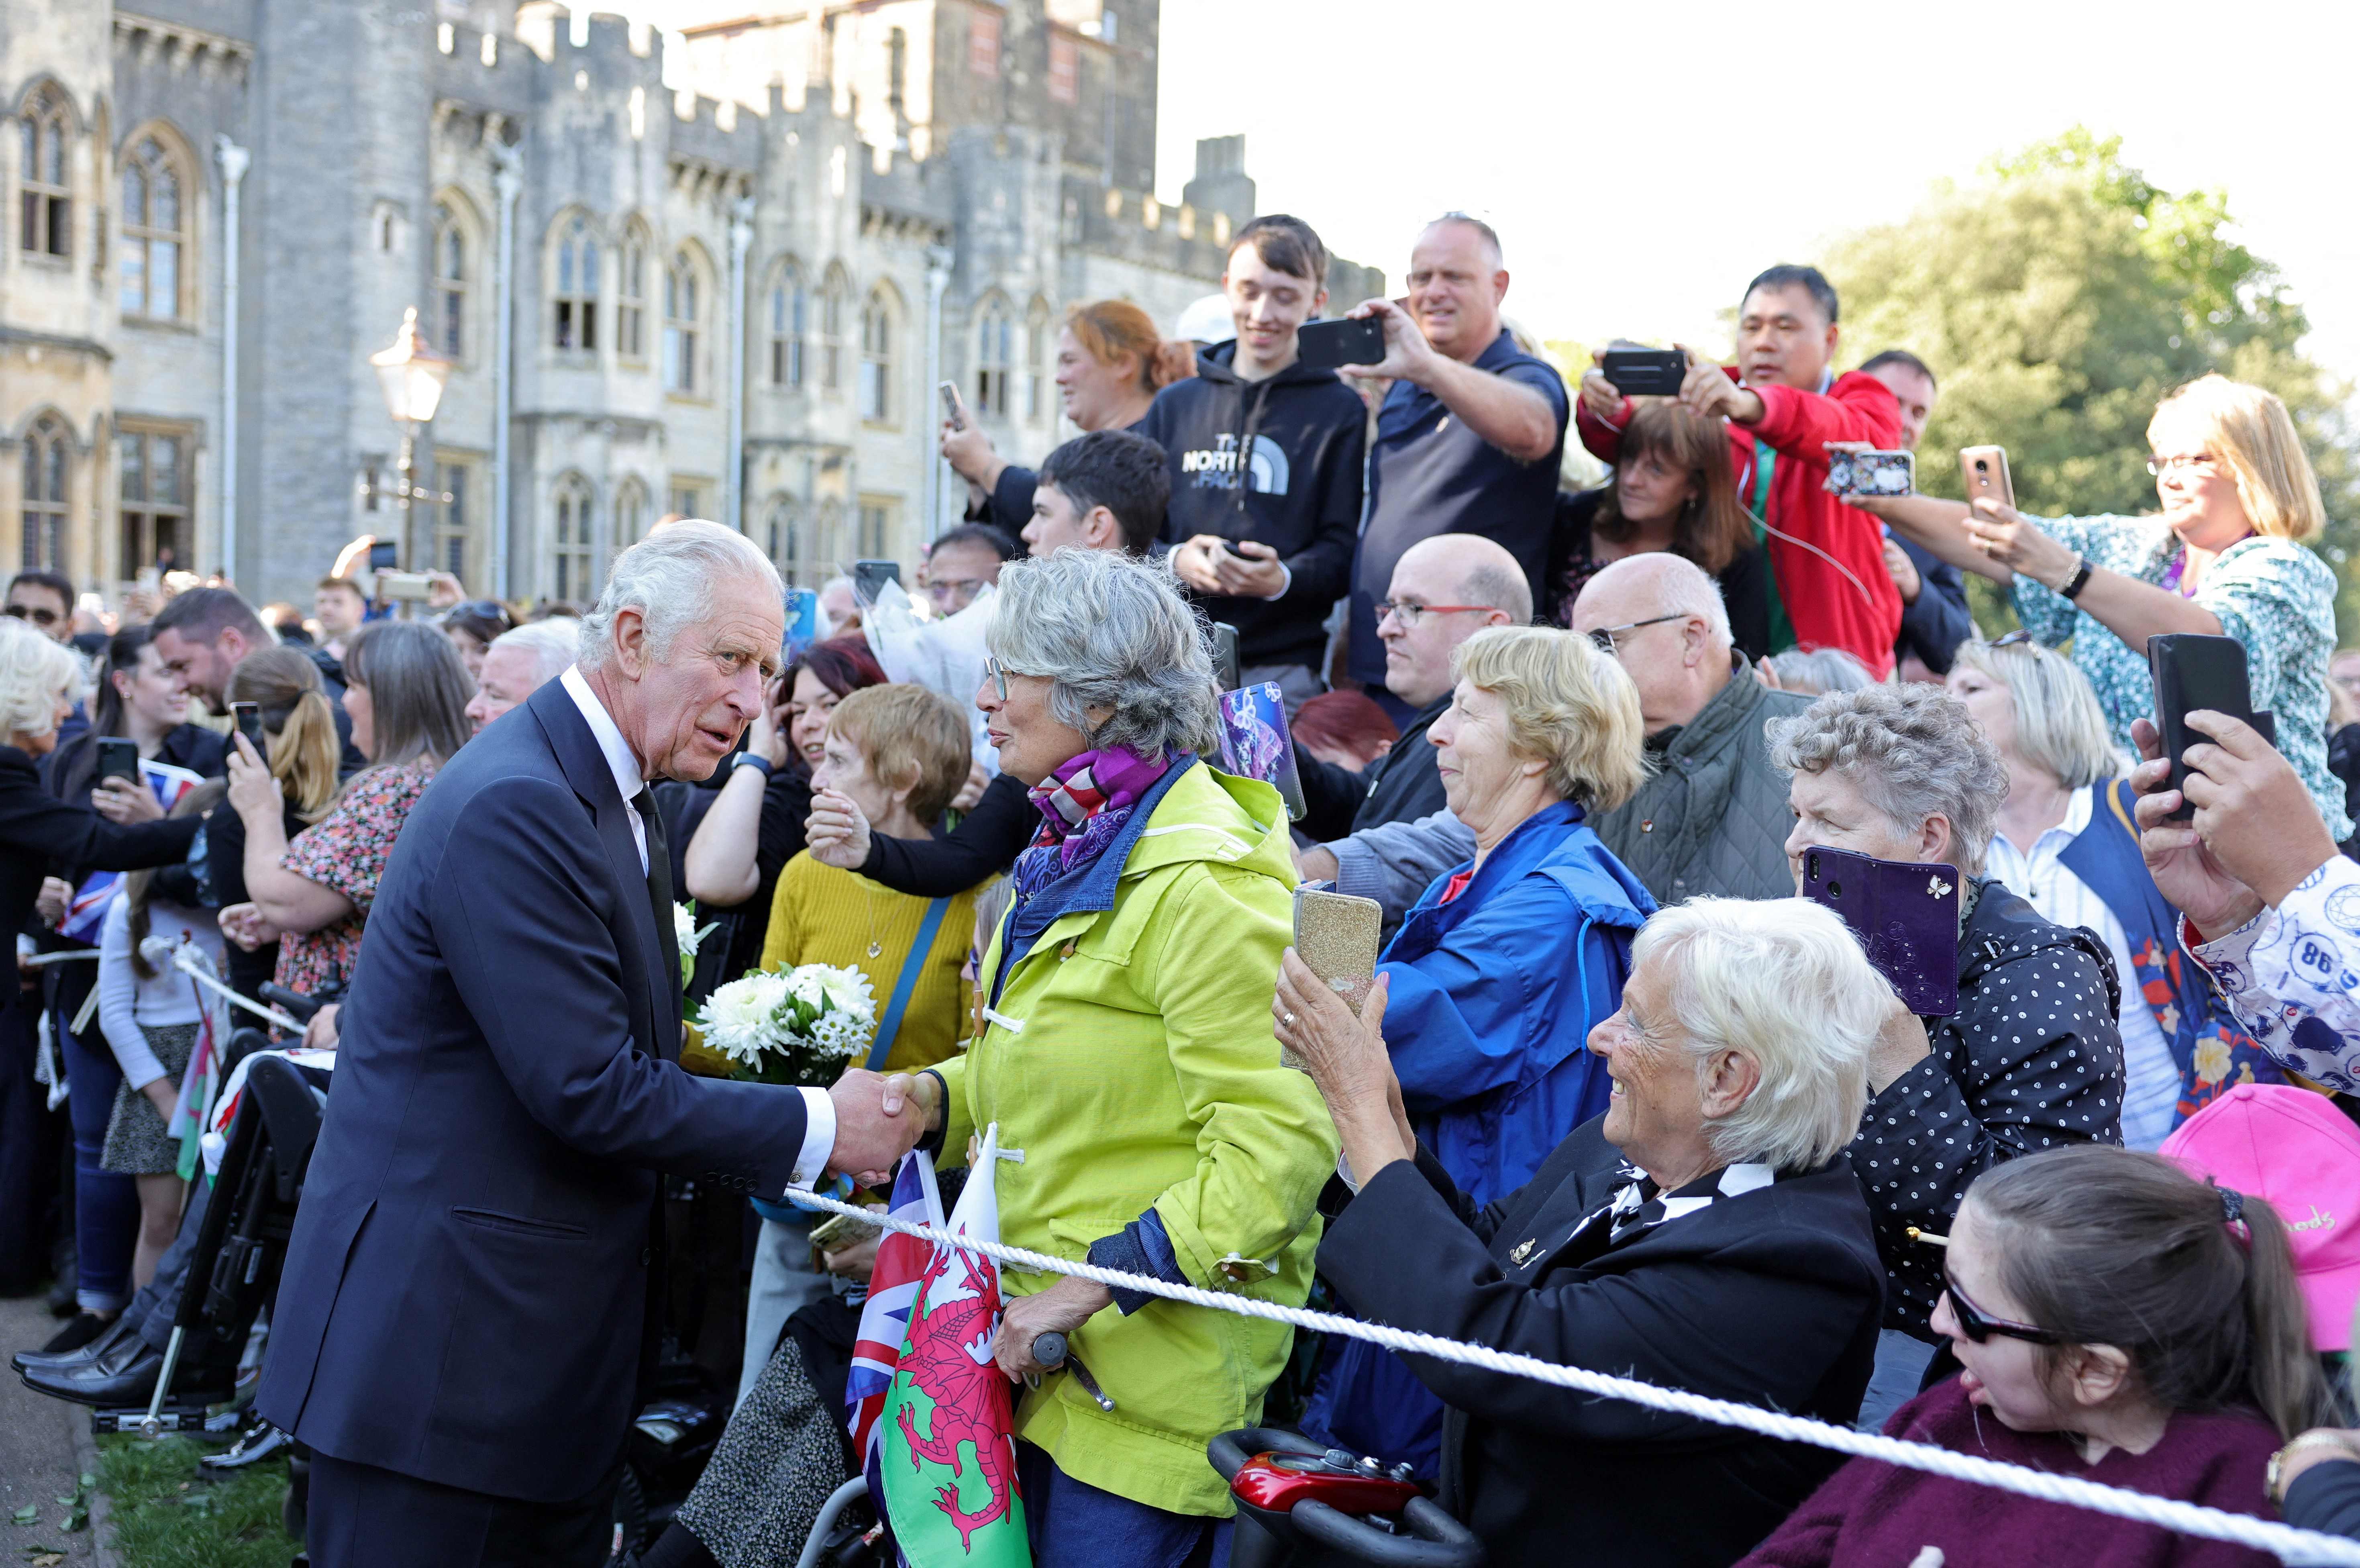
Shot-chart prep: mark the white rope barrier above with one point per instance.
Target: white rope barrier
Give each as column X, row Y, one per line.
column 188, row 962
column 2289, row 1544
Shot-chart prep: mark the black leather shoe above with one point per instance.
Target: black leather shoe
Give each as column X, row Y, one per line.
column 78, row 1330
column 126, row 1374
column 54, row 1360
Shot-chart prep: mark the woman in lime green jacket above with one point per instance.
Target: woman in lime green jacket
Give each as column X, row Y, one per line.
column 1127, row 1054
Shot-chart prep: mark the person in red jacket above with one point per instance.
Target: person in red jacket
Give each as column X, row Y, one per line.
column 1783, row 405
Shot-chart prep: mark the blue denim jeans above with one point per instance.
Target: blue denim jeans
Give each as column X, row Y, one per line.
column 106, row 1203
column 1072, row 1524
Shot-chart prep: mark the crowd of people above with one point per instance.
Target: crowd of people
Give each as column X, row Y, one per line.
column 1620, row 1095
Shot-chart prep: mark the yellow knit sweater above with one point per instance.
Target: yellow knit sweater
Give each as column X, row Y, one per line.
column 822, row 915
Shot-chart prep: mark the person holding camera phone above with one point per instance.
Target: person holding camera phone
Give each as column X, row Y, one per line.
column 1266, row 455
column 2223, row 556
column 1783, row 403
column 1934, row 615
column 1468, row 438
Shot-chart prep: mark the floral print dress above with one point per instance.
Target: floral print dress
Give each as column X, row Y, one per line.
column 346, row 850
column 2273, row 595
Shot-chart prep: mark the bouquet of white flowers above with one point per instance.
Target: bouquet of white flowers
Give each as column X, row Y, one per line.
column 801, row 1026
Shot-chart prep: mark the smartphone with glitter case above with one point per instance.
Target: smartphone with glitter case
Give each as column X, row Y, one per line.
column 1905, row 916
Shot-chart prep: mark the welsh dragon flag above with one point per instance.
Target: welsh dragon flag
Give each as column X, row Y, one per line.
column 949, row 1448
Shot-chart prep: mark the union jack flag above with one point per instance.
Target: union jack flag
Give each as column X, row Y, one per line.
column 885, row 1316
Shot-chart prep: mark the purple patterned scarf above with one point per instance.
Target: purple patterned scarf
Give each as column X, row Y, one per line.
column 1084, row 804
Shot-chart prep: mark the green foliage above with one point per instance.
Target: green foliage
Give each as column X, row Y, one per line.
column 169, row 1514
column 2060, row 296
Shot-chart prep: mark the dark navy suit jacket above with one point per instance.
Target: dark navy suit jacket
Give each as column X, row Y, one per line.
column 465, row 1294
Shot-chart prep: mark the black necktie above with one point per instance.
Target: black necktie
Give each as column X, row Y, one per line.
column 659, row 865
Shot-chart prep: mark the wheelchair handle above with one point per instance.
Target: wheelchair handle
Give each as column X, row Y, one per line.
column 1230, row 1451
column 294, row 1004
column 1435, row 1539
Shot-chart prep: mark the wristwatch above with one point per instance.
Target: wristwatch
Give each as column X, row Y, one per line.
column 2271, row 1481
column 2079, row 581
column 751, row 759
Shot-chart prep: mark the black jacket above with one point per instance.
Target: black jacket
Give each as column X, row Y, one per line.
column 1304, row 434
column 41, row 835
column 1934, row 626
column 2032, row 1059
column 1770, row 1297
column 983, row 845
column 1399, row 787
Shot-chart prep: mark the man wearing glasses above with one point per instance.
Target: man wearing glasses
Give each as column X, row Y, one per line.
column 43, row 600
column 962, row 564
column 1444, row 591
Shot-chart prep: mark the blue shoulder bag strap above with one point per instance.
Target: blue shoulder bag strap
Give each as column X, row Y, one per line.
column 912, row 966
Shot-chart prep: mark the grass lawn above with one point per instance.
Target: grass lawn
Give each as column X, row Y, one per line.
column 169, row 1514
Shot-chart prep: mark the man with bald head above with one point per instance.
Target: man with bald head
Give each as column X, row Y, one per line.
column 1470, row 430
column 1712, row 817
column 1444, row 591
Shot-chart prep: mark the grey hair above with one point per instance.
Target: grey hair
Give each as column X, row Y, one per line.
column 35, row 673
column 553, row 644
column 1811, row 671
column 1109, row 631
column 1782, row 982
column 1682, row 588
column 1915, row 751
column 667, row 578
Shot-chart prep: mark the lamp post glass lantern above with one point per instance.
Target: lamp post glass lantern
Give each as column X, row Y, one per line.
column 411, row 376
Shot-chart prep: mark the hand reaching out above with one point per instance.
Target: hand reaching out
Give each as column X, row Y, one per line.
column 244, row 924
column 836, row 832
column 123, row 802
column 2186, row 872
column 878, row 1120
column 50, row 903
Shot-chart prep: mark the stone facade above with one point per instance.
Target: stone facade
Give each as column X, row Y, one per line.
column 732, row 302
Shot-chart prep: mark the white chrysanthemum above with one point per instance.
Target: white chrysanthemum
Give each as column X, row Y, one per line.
column 838, row 1034
column 847, row 990
column 687, row 932
column 803, row 985
column 741, row 1018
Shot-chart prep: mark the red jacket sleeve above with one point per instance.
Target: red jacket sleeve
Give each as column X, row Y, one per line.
column 1797, row 424
column 1602, row 438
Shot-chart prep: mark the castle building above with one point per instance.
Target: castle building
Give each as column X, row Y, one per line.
column 732, row 299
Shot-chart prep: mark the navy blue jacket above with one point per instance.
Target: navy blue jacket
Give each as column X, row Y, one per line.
column 465, row 1294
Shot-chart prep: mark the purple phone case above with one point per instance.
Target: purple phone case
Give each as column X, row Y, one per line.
column 1905, row 914
column 1257, row 744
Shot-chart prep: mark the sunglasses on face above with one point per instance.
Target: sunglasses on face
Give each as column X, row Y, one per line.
column 1980, row 1326
column 37, row 616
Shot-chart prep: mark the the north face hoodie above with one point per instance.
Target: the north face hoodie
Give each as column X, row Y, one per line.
column 1278, row 462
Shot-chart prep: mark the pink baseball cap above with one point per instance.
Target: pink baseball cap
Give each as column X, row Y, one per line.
column 2294, row 1150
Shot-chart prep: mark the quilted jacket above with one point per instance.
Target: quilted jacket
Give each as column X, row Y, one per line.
column 1712, row 816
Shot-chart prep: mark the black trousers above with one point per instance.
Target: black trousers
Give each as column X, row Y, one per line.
column 362, row 1517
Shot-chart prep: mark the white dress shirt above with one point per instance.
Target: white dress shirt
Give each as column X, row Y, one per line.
column 2150, row 1073
column 819, row 1111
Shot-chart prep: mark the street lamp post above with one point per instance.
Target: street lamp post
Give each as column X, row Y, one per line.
column 411, row 376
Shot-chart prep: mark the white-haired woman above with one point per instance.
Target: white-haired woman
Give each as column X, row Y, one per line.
column 2032, row 1057
column 2224, row 555
column 1127, row 1053
column 1705, row 1233
column 2068, row 844
column 1504, row 966
column 40, row 835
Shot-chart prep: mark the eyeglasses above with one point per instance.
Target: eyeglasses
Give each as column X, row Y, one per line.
column 965, row 587
column 1604, row 635
column 997, row 674
column 37, row 616
column 2199, row 462
column 1979, row 1325
column 1410, row 615
column 2017, row 638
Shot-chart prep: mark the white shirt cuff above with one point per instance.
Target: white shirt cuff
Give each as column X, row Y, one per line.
column 819, row 1136
column 1285, row 581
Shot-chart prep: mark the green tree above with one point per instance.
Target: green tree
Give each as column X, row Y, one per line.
column 2060, row 296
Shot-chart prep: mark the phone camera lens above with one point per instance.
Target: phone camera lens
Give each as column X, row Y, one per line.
column 1835, row 890
column 1982, row 466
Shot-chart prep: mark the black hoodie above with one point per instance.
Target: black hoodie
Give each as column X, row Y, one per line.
column 1308, row 432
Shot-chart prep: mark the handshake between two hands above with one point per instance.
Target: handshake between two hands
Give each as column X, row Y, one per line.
column 879, row 1119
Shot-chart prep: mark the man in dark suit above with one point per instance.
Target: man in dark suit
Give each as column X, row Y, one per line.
column 460, row 1328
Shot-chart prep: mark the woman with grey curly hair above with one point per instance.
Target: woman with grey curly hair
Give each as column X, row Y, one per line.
column 1126, row 1049
column 2032, row 1058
